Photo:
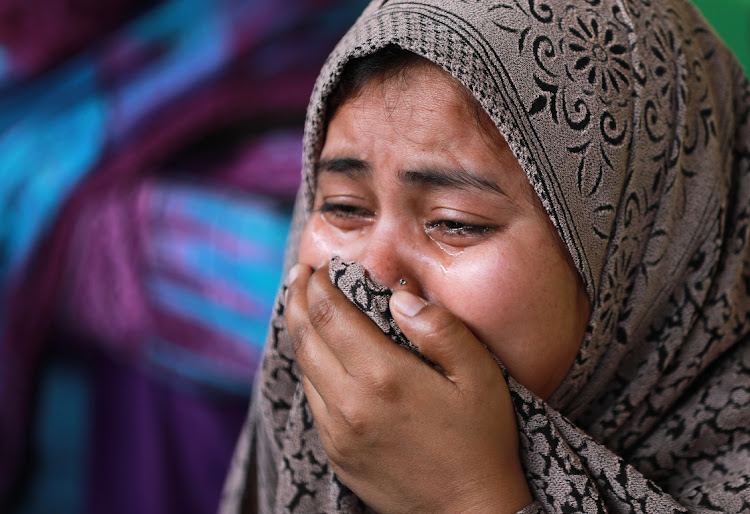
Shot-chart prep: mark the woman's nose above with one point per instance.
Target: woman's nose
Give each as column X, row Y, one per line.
column 385, row 256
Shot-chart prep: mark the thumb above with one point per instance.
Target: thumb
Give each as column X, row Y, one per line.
column 443, row 338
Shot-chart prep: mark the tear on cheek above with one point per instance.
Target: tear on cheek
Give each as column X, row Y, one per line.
column 453, row 252
column 315, row 248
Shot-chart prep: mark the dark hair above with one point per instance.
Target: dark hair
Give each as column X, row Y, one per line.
column 389, row 62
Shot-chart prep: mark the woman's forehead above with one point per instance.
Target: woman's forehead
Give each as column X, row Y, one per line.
column 425, row 113
column 416, row 88
column 420, row 95
column 420, row 128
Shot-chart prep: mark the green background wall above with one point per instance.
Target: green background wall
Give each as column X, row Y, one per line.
column 731, row 19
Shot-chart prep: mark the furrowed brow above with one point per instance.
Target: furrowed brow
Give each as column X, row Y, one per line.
column 454, row 178
column 346, row 165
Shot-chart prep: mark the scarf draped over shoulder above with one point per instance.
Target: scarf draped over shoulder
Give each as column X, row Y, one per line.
column 631, row 121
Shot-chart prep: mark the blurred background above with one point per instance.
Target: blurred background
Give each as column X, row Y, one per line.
column 149, row 156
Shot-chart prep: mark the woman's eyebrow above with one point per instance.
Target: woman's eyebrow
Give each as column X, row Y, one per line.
column 346, row 165
column 457, row 178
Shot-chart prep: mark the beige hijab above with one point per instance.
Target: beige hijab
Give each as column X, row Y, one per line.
column 631, row 121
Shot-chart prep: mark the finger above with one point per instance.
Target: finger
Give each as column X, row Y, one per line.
column 443, row 338
column 315, row 358
column 317, row 404
column 320, row 411
column 356, row 340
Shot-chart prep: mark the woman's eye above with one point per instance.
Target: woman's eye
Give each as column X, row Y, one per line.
column 344, row 210
column 345, row 216
column 456, row 229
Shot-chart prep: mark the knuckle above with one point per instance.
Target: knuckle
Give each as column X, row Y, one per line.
column 298, row 334
column 337, row 450
column 442, row 327
column 322, row 312
column 356, row 420
column 384, row 384
column 342, row 456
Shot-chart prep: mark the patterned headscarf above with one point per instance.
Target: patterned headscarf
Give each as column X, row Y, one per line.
column 631, row 121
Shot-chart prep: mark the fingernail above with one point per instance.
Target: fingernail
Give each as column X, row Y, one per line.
column 407, row 303
column 293, row 273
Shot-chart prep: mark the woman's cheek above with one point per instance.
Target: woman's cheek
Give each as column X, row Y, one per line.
column 490, row 295
column 314, row 248
column 320, row 241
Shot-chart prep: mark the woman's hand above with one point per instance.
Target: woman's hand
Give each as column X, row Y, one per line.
column 402, row 435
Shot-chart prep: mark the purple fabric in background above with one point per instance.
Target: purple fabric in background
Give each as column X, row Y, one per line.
column 149, row 152
column 37, row 35
column 144, row 465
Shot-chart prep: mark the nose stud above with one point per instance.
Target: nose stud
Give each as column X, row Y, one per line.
column 402, row 281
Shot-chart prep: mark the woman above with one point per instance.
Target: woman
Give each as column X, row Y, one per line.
column 622, row 334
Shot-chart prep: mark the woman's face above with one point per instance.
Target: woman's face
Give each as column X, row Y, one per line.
column 411, row 187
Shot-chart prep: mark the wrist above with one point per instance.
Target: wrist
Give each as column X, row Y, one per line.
column 507, row 494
